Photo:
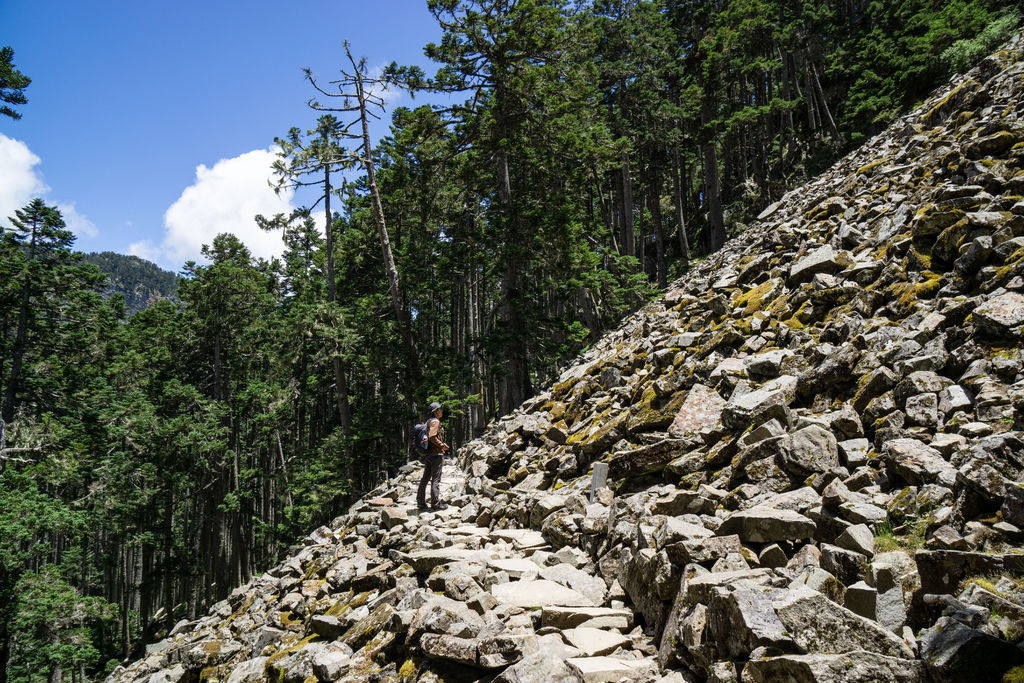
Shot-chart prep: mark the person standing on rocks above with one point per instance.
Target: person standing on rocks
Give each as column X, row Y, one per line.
column 433, row 461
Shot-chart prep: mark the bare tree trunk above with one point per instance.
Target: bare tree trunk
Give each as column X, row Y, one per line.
column 824, row 103
column 394, row 281
column 56, row 672
column 628, row 238
column 6, row 583
column 716, row 221
column 684, row 245
column 654, row 205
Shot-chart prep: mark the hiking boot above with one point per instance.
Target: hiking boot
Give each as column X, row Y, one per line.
column 440, row 506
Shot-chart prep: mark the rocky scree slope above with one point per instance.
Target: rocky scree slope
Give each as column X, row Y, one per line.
column 814, row 465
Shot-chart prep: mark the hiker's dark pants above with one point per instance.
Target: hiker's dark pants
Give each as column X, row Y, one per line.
column 431, row 473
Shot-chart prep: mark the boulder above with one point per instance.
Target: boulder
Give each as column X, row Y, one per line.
column 538, row 593
column 808, row 450
column 917, row 463
column 1001, row 316
column 449, row 648
column 857, row 666
column 756, row 406
column 592, row 642
column 701, row 409
column 743, row 620
column 817, row 624
column 954, row 652
column 767, row 525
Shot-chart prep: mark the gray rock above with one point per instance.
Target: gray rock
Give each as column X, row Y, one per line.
column 743, row 620
column 824, row 582
column 544, row 665
column 923, row 410
column 592, row 642
column 742, row 411
column 610, row 669
column 209, row 653
column 916, row 463
column 449, row 648
column 861, row 599
column 703, row 550
column 175, row 674
column 649, row 580
column 500, row 650
column 331, row 662
column 808, row 450
column 821, row 260
column 854, row 452
column 438, row 613
column 767, row 525
column 594, row 617
column 1001, row 316
column 857, row 538
column 817, row 624
column 846, row 565
column 941, row 571
column 851, row 667
column 327, row 627
column 953, row 653
column 539, row 593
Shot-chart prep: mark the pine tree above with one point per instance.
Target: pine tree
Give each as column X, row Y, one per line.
column 12, row 84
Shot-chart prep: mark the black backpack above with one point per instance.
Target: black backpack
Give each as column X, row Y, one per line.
column 420, row 438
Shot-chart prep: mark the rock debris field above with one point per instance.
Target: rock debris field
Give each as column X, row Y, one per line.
column 813, row 455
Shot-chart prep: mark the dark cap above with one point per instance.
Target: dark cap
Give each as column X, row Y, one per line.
column 433, row 406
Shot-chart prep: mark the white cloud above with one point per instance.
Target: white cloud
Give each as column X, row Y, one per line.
column 20, row 182
column 76, row 222
column 145, row 249
column 225, row 198
column 19, row 179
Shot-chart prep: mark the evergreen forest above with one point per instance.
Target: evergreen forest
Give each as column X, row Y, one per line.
column 162, row 442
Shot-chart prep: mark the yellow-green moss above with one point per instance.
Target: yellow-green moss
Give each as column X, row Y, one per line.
column 753, row 299
column 270, row 669
column 871, row 166
column 288, row 620
column 1014, row 675
column 906, row 294
column 408, row 669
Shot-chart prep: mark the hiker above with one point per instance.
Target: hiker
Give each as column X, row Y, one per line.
column 433, row 460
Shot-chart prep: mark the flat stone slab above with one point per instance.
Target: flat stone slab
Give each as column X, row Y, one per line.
column 1001, row 315
column 605, row 669
column 424, row 561
column 702, row 408
column 515, row 568
column 594, row 641
column 540, row 593
column 767, row 525
column 595, row 617
column 520, row 538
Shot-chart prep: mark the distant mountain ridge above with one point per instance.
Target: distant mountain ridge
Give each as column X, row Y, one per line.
column 142, row 282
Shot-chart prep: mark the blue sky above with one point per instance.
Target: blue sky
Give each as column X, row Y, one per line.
column 150, row 124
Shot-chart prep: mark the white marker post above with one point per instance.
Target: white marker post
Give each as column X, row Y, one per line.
column 600, row 478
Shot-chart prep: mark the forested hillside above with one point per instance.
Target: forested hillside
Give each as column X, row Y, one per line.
column 150, row 464
column 139, row 281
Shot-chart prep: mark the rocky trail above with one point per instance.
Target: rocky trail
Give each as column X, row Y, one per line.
column 804, row 463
